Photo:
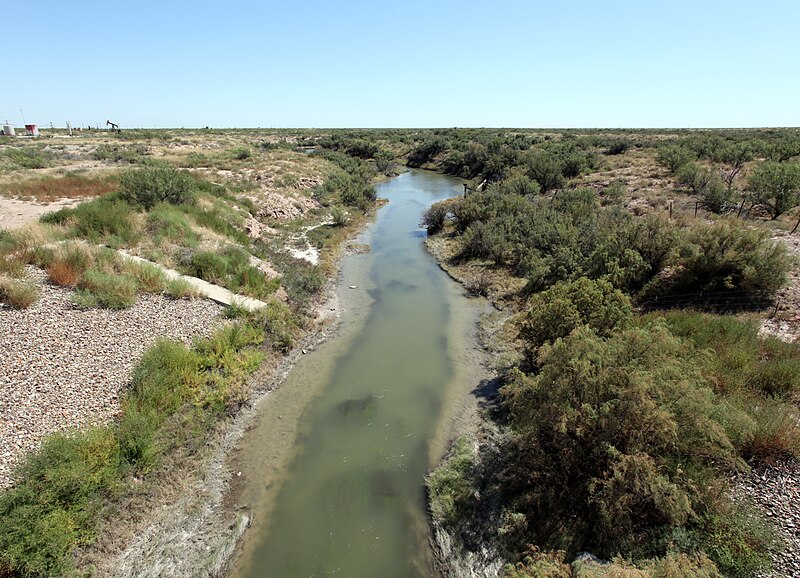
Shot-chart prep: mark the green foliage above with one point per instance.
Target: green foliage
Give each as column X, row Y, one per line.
column 134, row 154
column 618, row 147
column 28, row 157
column 757, row 379
column 339, row 217
column 302, row 281
column 614, row 439
column 675, row 157
column 545, row 170
column 728, row 258
column 146, row 187
column 435, row 216
column 707, row 185
column 231, row 268
column 60, row 489
column 167, row 222
column 737, row 541
column 54, row 504
column 241, row 153
column 450, row 486
column 112, row 291
column 426, row 151
column 776, row 186
column 564, row 307
column 106, row 220
column 279, row 325
column 149, row 278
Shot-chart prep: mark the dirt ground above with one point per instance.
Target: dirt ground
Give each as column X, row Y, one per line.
column 17, row 213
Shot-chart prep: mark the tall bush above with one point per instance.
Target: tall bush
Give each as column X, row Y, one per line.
column 149, row 186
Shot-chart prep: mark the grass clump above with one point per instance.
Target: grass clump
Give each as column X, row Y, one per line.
column 106, row 290
column 106, row 220
column 165, row 222
column 18, row 293
column 232, row 269
column 450, row 486
column 181, row 289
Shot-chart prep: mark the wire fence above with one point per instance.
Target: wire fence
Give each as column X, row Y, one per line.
column 716, row 302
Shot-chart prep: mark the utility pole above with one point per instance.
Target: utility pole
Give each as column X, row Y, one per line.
column 24, row 122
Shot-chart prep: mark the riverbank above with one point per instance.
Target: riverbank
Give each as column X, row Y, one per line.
column 186, row 518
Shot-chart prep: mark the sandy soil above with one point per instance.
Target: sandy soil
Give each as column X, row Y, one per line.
column 15, row 213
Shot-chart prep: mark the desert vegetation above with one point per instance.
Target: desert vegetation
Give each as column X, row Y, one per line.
column 634, row 268
column 226, row 214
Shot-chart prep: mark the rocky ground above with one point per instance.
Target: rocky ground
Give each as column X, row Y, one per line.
column 64, row 367
column 775, row 492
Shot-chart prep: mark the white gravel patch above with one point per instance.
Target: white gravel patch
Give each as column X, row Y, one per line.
column 62, row 367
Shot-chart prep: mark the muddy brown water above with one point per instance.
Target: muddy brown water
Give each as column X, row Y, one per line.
column 334, row 470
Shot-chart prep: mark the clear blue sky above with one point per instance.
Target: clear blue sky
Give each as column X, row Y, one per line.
column 537, row 63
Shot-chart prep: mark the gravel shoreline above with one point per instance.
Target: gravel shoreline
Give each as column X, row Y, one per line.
column 774, row 490
column 62, row 367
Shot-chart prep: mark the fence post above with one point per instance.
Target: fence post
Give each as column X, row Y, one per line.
column 697, row 204
column 670, row 209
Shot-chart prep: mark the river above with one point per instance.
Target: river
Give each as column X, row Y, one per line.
column 334, row 470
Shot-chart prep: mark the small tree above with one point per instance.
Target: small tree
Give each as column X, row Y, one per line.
column 734, row 156
column 776, row 186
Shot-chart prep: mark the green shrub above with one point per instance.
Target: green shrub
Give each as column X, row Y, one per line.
column 279, row 325
column 545, row 170
column 107, row 289
column 776, row 186
column 302, row 281
column 727, row 257
column 674, row 157
column 104, row 220
column 618, row 147
column 450, row 486
column 135, row 154
column 165, row 221
column 146, row 187
column 241, row 153
column 434, row 218
column 737, row 541
column 54, row 504
column 339, row 217
column 597, row 433
column 31, row 157
column 210, row 266
column 564, row 307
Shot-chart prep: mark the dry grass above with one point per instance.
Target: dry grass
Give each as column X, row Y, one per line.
column 63, row 273
column 18, row 293
column 55, row 189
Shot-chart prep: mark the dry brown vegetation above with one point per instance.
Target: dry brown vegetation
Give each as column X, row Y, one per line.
column 50, row 190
